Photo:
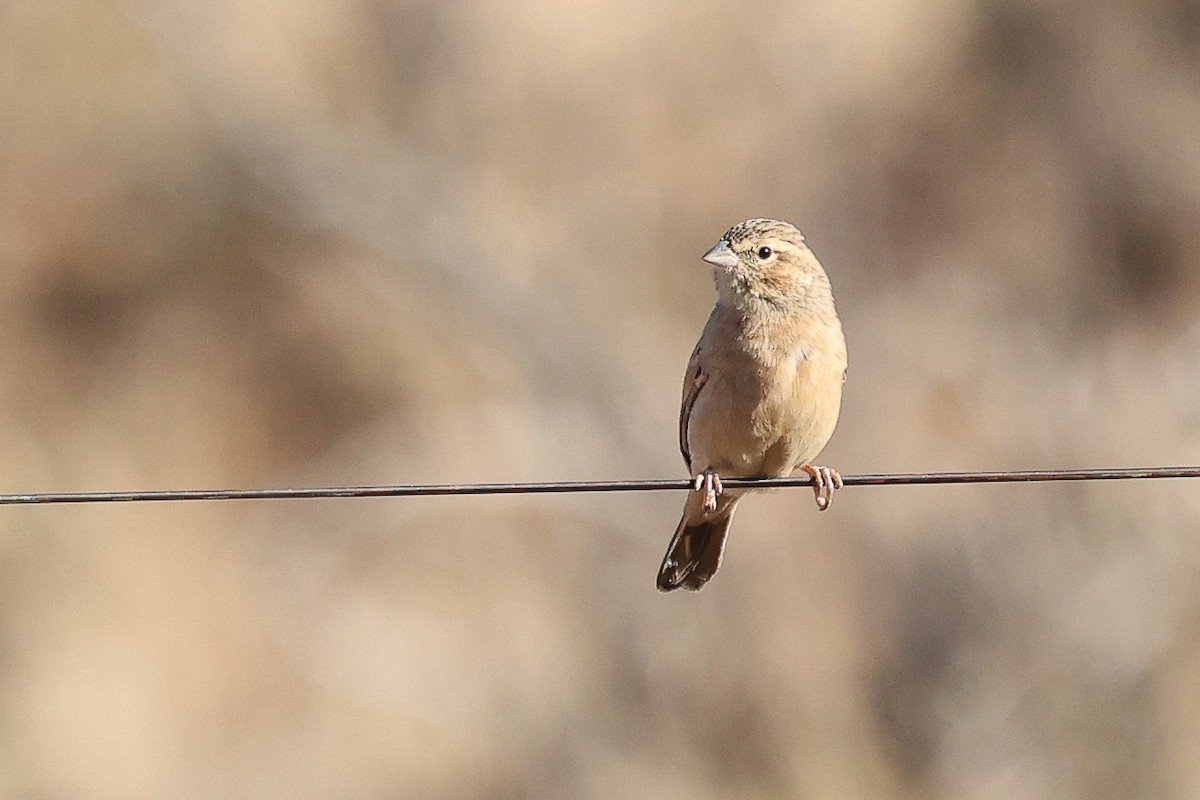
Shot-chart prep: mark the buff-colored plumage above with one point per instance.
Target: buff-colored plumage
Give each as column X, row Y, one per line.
column 763, row 388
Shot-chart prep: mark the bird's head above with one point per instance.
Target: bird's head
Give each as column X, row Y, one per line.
column 767, row 260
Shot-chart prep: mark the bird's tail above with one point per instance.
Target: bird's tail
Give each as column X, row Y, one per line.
column 694, row 554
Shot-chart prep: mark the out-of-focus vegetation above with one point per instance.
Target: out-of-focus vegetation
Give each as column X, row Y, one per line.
column 264, row 243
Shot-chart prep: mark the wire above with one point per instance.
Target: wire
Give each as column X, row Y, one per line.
column 559, row 487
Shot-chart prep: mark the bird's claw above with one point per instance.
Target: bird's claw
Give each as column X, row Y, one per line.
column 709, row 483
column 826, row 481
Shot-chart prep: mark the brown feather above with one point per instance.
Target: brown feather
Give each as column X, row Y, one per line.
column 694, row 554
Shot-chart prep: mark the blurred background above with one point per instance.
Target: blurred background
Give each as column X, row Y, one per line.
column 256, row 243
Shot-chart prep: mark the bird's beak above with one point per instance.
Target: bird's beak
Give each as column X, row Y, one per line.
column 722, row 255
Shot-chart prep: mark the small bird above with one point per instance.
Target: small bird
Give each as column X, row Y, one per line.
column 763, row 387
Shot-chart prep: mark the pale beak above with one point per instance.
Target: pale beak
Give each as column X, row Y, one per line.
column 722, row 255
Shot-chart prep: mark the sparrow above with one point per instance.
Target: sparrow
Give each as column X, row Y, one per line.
column 763, row 388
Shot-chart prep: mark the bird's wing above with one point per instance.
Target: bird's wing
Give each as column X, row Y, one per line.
column 693, row 382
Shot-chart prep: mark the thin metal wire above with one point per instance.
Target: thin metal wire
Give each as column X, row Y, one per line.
column 559, row 487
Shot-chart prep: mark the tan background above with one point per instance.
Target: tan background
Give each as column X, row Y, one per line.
column 268, row 243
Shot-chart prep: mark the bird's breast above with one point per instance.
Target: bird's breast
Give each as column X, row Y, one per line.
column 765, row 411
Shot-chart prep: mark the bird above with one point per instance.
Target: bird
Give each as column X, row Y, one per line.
column 763, row 388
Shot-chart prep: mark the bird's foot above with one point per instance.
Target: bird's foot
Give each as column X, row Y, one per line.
column 709, row 483
column 826, row 481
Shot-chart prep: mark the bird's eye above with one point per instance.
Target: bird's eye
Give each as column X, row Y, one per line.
column 764, row 253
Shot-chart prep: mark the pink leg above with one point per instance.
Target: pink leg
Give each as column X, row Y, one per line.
column 708, row 482
column 826, row 481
